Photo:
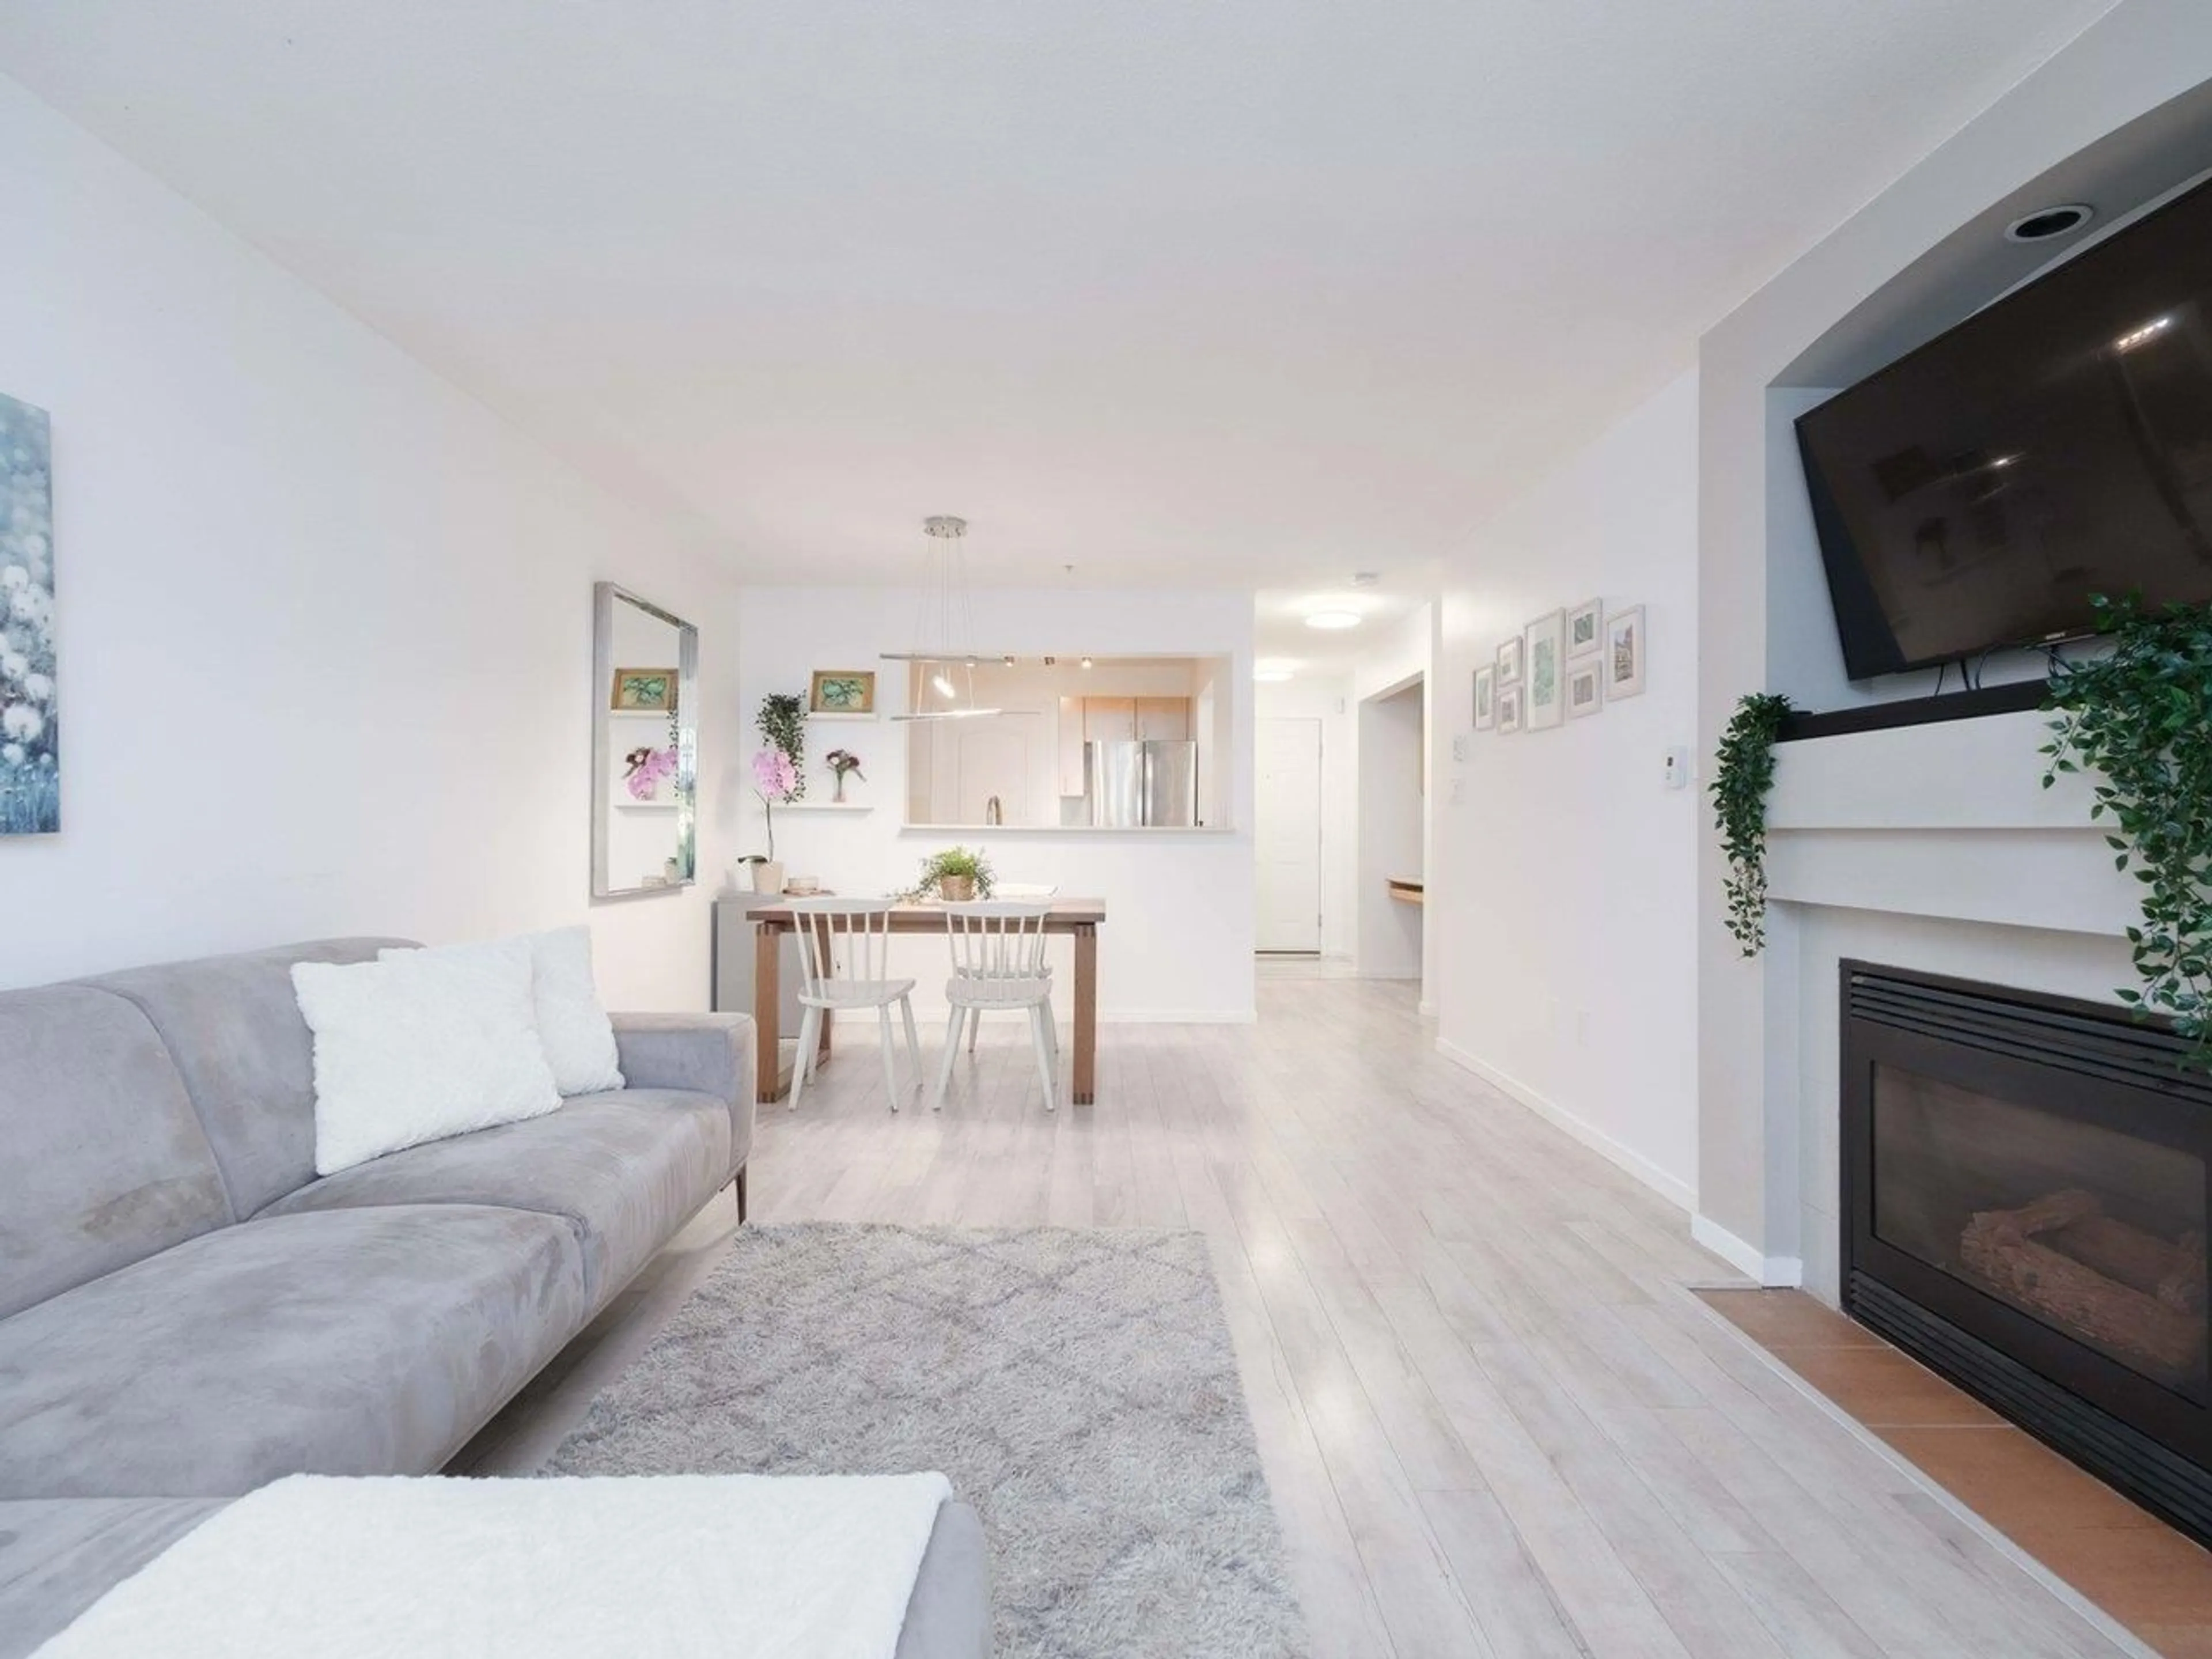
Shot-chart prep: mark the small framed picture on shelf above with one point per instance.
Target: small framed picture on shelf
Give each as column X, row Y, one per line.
column 1509, row 709
column 842, row 691
column 643, row 691
column 1585, row 629
column 1486, row 698
column 1545, row 638
column 1509, row 663
column 1625, row 647
column 1585, row 693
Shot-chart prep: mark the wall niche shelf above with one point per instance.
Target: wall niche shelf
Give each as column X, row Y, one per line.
column 825, row 806
column 835, row 714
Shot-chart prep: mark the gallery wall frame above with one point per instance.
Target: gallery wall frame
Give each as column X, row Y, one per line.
column 1626, row 645
column 1545, row 641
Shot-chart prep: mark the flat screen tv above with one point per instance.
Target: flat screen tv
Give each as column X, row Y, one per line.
column 2058, row 444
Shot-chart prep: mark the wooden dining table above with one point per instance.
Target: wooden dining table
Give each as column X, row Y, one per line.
column 1079, row 918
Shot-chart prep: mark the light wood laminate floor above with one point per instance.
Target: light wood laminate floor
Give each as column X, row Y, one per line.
column 1494, row 1419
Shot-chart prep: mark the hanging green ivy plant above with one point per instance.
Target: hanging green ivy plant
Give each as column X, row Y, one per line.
column 2139, row 717
column 782, row 724
column 1744, row 775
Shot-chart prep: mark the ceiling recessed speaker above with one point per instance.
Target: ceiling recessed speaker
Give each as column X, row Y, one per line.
column 2045, row 223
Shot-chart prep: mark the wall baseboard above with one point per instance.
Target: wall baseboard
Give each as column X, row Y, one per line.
column 1774, row 1272
column 926, row 1011
column 1675, row 1191
column 1173, row 1016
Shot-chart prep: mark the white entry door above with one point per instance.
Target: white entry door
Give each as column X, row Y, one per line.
column 1287, row 829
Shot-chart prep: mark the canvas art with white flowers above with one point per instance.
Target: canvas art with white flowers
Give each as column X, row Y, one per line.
column 30, row 721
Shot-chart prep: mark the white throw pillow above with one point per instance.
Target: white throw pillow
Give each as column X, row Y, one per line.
column 419, row 1045
column 578, row 1037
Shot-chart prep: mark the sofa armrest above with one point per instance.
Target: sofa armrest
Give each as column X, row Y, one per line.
column 710, row 1054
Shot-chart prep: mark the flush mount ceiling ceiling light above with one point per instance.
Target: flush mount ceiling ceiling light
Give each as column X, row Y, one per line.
column 944, row 630
column 1331, row 620
column 2045, row 223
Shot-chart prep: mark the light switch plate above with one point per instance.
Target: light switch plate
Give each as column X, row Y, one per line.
column 1678, row 768
column 1459, row 741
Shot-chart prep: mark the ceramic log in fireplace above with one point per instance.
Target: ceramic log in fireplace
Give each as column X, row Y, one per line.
column 2024, row 1205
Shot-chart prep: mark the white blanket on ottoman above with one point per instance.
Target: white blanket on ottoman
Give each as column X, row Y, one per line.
column 677, row 1566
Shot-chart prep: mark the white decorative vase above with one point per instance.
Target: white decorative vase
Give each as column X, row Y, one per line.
column 767, row 876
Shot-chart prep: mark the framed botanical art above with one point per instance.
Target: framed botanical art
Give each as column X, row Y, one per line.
column 1585, row 629
column 1486, row 698
column 644, row 692
column 1585, row 688
column 842, row 691
column 1546, row 641
column 1509, row 707
column 1509, row 663
column 30, row 724
column 1625, row 647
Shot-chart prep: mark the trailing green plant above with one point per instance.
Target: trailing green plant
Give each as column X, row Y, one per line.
column 956, row 862
column 2140, row 719
column 782, row 724
column 1744, row 773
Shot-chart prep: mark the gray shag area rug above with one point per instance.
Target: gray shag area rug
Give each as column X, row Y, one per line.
column 1077, row 1388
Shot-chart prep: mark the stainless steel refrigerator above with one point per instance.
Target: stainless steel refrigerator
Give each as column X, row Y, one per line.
column 1141, row 785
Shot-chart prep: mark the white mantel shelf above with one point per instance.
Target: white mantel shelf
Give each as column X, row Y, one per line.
column 1948, row 820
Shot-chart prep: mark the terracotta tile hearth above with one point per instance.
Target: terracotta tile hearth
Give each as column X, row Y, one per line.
column 2132, row 1564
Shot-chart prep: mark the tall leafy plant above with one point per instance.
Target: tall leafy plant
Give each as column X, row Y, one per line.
column 1744, row 773
column 2140, row 719
column 782, row 724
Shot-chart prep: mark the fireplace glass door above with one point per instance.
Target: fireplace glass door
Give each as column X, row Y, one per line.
column 2025, row 1204
column 2093, row 1232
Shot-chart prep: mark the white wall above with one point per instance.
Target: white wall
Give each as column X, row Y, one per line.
column 325, row 623
column 1393, row 832
column 1564, row 907
column 1926, row 250
column 1403, row 654
column 1326, row 698
column 1178, row 943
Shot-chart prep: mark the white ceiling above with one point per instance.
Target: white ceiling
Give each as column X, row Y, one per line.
column 1281, row 639
column 1238, row 293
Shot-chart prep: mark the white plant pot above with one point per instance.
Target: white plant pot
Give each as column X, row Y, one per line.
column 767, row 876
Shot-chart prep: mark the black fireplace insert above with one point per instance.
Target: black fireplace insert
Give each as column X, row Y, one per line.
column 2025, row 1209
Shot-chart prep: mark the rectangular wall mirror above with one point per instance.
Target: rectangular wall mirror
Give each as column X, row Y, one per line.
column 1074, row 742
column 645, row 746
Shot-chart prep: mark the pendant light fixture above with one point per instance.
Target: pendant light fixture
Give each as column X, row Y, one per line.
column 944, row 688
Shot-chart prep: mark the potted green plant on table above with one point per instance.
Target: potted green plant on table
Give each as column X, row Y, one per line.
column 956, row 875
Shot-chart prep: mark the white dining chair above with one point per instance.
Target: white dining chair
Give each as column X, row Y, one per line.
column 844, row 964
column 1009, row 889
column 997, row 961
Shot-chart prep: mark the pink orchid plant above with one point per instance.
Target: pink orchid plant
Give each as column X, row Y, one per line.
column 775, row 778
column 646, row 767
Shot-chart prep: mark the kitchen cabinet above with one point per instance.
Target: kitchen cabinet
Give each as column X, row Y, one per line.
column 1109, row 720
column 1164, row 719
column 1071, row 745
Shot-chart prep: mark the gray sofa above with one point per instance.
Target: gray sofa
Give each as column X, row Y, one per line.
column 187, row 1312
